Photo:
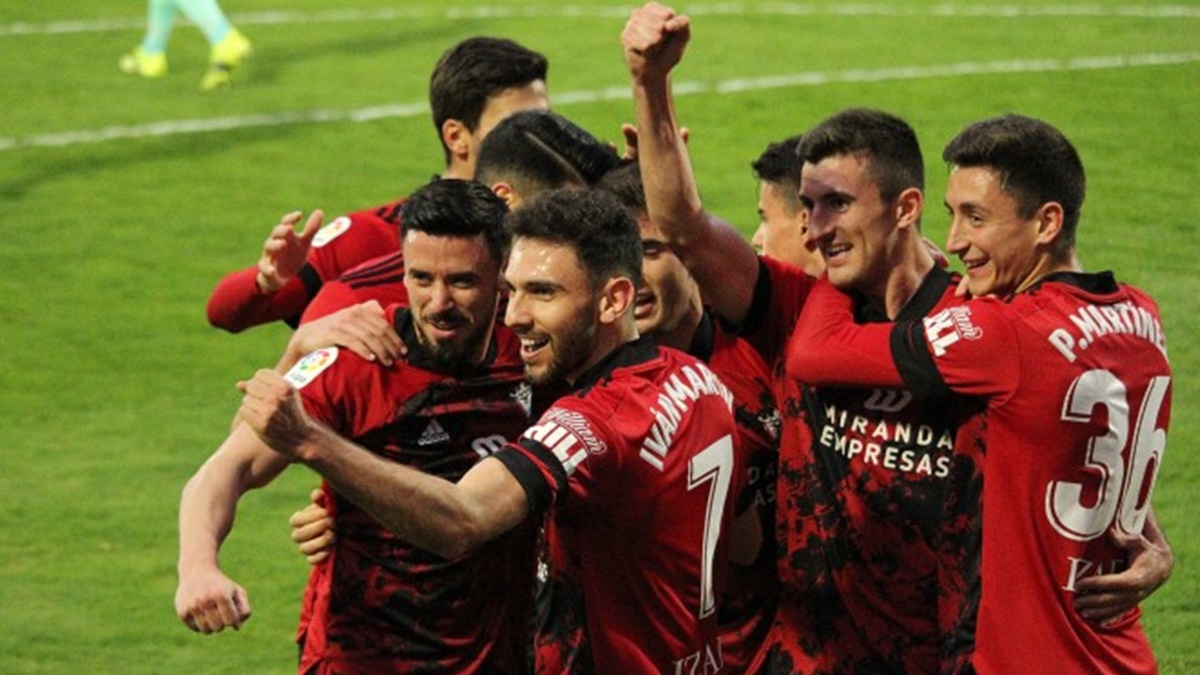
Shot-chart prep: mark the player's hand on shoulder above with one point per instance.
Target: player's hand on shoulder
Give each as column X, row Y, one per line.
column 363, row 329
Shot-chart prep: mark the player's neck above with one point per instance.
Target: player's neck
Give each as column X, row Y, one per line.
column 1048, row 265
column 609, row 338
column 907, row 273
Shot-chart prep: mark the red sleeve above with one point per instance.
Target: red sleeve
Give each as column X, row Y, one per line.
column 974, row 347
column 971, row 348
column 333, row 296
column 237, row 303
column 549, row 458
column 342, row 391
column 352, row 240
column 829, row 349
column 779, row 293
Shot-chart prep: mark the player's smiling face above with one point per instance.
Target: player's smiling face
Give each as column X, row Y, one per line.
column 996, row 244
column 848, row 221
column 453, row 285
column 552, row 308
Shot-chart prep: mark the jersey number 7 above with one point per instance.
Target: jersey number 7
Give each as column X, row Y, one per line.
column 712, row 466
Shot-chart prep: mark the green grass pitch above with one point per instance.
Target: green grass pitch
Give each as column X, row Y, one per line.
column 122, row 212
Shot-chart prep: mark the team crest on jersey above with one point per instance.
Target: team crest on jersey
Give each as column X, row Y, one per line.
column 771, row 422
column 523, row 395
column 331, row 231
column 949, row 326
column 311, row 366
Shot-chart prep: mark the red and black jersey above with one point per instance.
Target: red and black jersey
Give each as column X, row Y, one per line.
column 1078, row 392
column 747, row 609
column 237, row 303
column 640, row 467
column 380, row 279
column 380, row 604
column 864, row 519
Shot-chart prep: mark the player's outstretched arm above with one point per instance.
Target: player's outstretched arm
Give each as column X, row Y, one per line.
column 1105, row 598
column 313, row 529
column 449, row 519
column 722, row 261
column 206, row 600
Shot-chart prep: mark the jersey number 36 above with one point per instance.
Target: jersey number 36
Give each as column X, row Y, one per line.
column 1125, row 463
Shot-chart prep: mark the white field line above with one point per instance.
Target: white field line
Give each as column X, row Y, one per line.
column 686, row 88
column 285, row 17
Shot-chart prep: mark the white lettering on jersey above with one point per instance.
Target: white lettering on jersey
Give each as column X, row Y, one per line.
column 1089, row 323
column 309, row 367
column 331, row 231
column 568, row 435
column 675, row 401
column 709, row 660
column 949, row 326
column 884, row 443
column 1082, row 569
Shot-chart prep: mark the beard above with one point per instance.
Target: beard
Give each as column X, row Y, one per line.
column 568, row 351
column 459, row 352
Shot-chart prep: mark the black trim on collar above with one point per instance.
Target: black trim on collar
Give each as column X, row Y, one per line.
column 629, row 354
column 1097, row 283
column 928, row 295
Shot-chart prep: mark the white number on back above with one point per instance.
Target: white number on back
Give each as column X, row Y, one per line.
column 713, row 465
column 1122, row 483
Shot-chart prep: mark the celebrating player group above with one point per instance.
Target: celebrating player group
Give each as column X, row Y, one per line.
column 570, row 421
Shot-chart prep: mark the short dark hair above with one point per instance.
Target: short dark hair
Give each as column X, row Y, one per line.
column 887, row 142
column 536, row 150
column 602, row 232
column 457, row 208
column 1035, row 161
column 625, row 183
column 779, row 164
column 471, row 72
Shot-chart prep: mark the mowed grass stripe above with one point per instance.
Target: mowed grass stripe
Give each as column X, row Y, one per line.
column 685, row 88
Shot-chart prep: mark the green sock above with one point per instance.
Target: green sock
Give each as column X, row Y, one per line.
column 160, row 18
column 207, row 16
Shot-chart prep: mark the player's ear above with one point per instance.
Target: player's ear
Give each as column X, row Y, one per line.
column 617, row 299
column 1049, row 219
column 457, row 138
column 506, row 192
column 908, row 208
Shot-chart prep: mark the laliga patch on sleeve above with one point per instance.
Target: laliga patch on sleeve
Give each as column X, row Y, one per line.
column 309, row 367
column 332, row 231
